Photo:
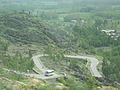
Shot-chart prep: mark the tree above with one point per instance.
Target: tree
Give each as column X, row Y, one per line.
column 30, row 54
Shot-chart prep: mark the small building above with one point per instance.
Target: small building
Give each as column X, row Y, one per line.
column 74, row 21
column 109, row 32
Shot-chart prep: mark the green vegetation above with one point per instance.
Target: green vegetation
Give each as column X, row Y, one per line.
column 11, row 76
column 58, row 27
column 3, row 44
column 17, row 62
column 73, row 68
column 11, row 80
column 90, row 84
column 111, row 63
column 18, row 27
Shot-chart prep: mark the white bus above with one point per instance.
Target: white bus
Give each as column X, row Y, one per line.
column 49, row 72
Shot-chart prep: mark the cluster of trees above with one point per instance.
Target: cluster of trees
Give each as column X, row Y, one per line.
column 54, row 53
column 90, row 35
column 76, row 16
column 108, row 15
column 101, row 2
column 17, row 62
column 111, row 63
column 89, row 84
column 48, row 15
column 87, row 9
column 3, row 44
column 68, row 18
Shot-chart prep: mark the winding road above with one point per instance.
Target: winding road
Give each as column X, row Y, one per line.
column 36, row 59
column 93, row 64
column 42, row 68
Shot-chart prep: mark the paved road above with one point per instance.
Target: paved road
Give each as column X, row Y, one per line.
column 93, row 67
column 38, row 63
column 41, row 67
column 33, row 75
column 93, row 64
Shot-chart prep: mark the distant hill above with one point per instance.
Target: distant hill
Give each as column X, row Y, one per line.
column 20, row 27
column 102, row 2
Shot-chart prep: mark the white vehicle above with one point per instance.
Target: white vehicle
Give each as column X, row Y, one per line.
column 49, row 73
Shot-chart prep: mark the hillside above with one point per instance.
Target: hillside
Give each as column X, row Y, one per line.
column 25, row 29
column 59, row 45
column 101, row 2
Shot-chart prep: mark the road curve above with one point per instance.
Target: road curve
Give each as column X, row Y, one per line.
column 93, row 64
column 42, row 68
column 38, row 63
column 93, row 67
